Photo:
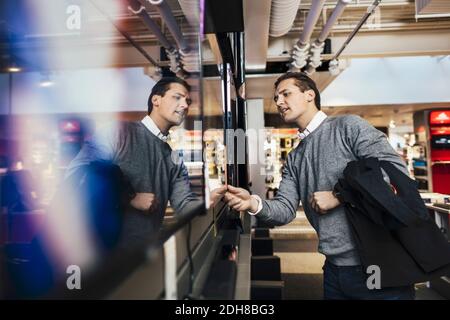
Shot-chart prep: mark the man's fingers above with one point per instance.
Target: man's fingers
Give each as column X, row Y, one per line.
column 220, row 190
column 237, row 207
column 228, row 197
column 153, row 200
column 318, row 207
column 154, row 206
column 316, row 196
column 233, row 189
column 234, row 202
column 311, row 200
column 314, row 205
column 314, row 200
column 321, row 208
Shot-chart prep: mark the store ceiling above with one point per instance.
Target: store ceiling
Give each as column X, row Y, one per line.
column 395, row 19
column 35, row 33
column 18, row 31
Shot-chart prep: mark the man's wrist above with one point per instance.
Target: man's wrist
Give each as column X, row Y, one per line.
column 337, row 195
column 255, row 200
column 254, row 204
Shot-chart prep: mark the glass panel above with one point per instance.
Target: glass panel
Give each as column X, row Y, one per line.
column 86, row 166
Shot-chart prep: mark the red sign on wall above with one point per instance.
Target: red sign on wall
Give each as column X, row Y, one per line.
column 440, row 117
column 70, row 126
column 439, row 131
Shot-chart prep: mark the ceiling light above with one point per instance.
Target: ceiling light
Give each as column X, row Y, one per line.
column 14, row 68
column 45, row 81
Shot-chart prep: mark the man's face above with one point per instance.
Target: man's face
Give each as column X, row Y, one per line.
column 290, row 101
column 174, row 105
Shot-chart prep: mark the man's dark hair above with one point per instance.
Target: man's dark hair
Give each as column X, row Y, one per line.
column 162, row 86
column 303, row 82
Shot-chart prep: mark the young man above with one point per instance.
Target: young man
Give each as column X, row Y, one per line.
column 141, row 152
column 311, row 171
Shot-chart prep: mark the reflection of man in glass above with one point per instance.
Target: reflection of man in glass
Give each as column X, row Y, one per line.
column 141, row 151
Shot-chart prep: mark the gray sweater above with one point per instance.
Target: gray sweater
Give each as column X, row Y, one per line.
column 316, row 164
column 148, row 163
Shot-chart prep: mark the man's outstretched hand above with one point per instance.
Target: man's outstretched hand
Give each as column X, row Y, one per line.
column 240, row 199
column 216, row 195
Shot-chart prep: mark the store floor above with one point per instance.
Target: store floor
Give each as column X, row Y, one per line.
column 301, row 271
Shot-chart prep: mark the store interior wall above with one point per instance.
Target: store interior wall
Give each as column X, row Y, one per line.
column 395, row 80
column 77, row 91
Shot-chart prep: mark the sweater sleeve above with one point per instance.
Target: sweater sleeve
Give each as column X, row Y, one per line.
column 182, row 199
column 283, row 208
column 368, row 142
column 100, row 147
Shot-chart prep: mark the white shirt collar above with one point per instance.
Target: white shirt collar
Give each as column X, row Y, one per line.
column 153, row 128
column 315, row 122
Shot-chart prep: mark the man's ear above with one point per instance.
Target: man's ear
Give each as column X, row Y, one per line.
column 156, row 100
column 310, row 95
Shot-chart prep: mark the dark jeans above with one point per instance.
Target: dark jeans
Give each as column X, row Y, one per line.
column 340, row 283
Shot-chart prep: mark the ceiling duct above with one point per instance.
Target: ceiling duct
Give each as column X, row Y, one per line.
column 166, row 14
column 136, row 8
column 301, row 49
column 282, row 17
column 317, row 46
column 139, row 10
column 189, row 58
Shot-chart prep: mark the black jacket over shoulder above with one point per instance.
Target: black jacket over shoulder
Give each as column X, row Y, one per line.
column 391, row 225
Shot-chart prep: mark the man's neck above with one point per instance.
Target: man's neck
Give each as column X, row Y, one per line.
column 160, row 123
column 305, row 119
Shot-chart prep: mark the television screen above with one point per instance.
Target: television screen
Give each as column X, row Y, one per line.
column 440, row 142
